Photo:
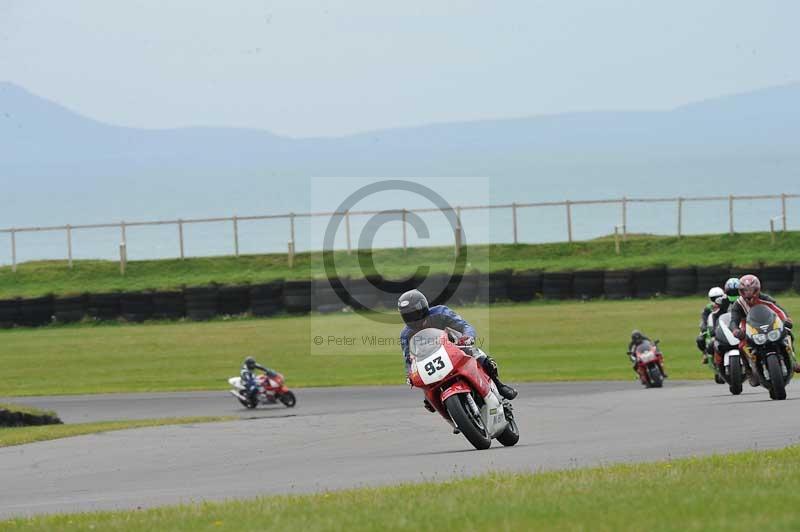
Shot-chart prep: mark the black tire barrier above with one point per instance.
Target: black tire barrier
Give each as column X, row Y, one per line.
column 201, row 302
column 796, row 280
column 557, row 285
column 9, row 418
column 9, row 313
column 437, row 288
column 136, row 307
column 649, row 282
column 233, row 300
column 618, row 284
column 36, row 311
column 297, row 297
column 465, row 288
column 390, row 290
column 524, row 285
column 266, row 299
column 330, row 297
column 363, row 295
column 494, row 286
column 776, row 279
column 70, row 309
column 740, row 271
column 588, row 284
column 681, row 281
column 169, row 305
column 103, row 306
column 711, row 276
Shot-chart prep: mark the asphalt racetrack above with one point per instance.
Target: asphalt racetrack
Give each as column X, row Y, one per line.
column 349, row 437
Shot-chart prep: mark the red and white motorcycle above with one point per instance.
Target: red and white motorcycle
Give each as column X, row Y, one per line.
column 650, row 364
column 270, row 390
column 458, row 387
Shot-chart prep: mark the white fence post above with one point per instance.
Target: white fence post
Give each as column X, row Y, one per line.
column 69, row 246
column 14, row 250
column 405, row 233
column 123, row 257
column 514, row 219
column 180, row 236
column 783, row 210
column 568, row 203
column 730, row 214
column 347, row 230
column 624, row 219
column 236, row 235
column 290, row 253
column 680, row 217
column 457, row 234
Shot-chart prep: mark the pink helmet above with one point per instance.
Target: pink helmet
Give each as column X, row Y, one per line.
column 749, row 288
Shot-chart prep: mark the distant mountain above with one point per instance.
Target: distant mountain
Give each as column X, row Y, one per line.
column 102, row 171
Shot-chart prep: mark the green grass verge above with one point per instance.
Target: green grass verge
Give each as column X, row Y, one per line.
column 38, row 278
column 743, row 491
column 532, row 342
column 22, row 435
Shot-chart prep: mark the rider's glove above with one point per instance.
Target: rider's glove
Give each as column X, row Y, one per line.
column 739, row 333
column 466, row 341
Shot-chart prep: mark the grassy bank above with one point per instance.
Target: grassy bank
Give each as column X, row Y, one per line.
column 23, row 435
column 532, row 342
column 38, row 278
column 675, row 495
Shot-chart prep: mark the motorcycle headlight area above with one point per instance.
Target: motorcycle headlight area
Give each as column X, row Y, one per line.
column 760, row 339
column 774, row 335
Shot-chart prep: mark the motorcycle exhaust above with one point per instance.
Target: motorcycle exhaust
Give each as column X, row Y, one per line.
column 238, row 395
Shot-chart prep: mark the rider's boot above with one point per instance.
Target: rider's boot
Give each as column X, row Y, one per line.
column 491, row 368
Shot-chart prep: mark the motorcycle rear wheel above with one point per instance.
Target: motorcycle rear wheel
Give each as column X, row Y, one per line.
column 735, row 375
column 472, row 429
column 510, row 436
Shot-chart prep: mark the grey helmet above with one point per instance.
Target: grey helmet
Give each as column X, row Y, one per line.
column 250, row 363
column 637, row 336
column 413, row 307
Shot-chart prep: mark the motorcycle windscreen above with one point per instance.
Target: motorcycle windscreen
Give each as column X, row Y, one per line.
column 761, row 318
column 723, row 333
column 431, row 358
column 644, row 347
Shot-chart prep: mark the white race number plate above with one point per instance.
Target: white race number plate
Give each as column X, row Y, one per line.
column 436, row 367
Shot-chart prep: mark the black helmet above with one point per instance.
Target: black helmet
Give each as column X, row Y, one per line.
column 250, row 362
column 637, row 335
column 413, row 307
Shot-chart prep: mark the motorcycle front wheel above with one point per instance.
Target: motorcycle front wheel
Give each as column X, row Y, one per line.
column 656, row 378
column 471, row 427
column 777, row 388
column 288, row 399
column 735, row 375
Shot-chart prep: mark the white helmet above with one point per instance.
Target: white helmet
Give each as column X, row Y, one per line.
column 716, row 295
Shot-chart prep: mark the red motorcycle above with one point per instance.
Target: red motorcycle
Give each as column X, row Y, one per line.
column 270, row 390
column 458, row 387
column 650, row 364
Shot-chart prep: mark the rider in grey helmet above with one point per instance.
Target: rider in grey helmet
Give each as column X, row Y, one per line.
column 417, row 315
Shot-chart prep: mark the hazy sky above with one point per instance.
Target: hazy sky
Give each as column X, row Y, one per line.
column 305, row 68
